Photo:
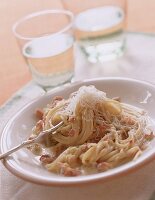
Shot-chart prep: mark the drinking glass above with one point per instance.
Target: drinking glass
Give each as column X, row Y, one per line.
column 46, row 41
column 99, row 27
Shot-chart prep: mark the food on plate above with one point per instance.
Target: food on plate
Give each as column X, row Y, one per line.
column 98, row 134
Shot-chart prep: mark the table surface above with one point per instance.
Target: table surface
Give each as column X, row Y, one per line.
column 14, row 72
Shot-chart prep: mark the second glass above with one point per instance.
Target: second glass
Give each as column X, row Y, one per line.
column 47, row 44
column 99, row 27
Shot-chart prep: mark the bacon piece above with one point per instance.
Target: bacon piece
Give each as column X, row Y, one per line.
column 57, row 98
column 54, row 101
column 71, row 133
column 71, row 119
column 149, row 136
column 128, row 120
column 39, row 114
column 46, row 159
column 84, row 148
column 102, row 128
column 68, row 171
column 39, row 125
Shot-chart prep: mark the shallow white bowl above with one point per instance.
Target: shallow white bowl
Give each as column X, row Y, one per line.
column 25, row 165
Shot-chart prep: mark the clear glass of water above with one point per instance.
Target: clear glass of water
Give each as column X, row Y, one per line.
column 99, row 28
column 46, row 42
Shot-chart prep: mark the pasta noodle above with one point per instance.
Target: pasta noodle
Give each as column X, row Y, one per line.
column 98, row 133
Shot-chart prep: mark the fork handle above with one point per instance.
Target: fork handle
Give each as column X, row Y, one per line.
column 23, row 144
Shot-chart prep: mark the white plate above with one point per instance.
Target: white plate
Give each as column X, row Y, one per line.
column 25, row 165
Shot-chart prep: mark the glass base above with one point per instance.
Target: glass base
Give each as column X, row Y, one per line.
column 101, row 49
column 51, row 80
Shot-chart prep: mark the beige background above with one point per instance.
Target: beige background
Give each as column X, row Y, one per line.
column 14, row 71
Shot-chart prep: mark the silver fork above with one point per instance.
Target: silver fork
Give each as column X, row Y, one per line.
column 38, row 139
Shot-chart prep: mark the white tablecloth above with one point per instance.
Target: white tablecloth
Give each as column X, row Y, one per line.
column 138, row 62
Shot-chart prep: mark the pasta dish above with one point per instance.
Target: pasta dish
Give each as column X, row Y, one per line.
column 98, row 134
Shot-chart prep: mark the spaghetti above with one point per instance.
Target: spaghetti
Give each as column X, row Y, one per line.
column 98, row 134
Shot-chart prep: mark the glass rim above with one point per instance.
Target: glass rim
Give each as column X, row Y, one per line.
column 40, row 13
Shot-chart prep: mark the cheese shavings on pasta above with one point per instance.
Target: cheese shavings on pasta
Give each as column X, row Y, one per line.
column 98, row 134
